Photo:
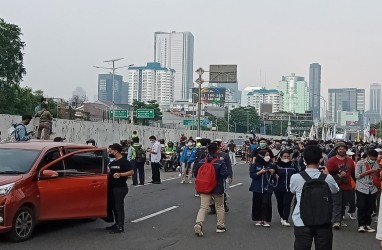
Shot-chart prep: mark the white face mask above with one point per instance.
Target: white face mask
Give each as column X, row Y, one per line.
column 190, row 144
column 267, row 158
column 285, row 160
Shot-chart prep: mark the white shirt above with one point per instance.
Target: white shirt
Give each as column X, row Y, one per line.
column 156, row 147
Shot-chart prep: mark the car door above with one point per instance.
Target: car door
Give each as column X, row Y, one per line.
column 79, row 190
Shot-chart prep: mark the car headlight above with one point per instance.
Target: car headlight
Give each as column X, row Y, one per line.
column 5, row 189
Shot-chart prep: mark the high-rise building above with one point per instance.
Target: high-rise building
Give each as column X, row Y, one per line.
column 79, row 92
column 345, row 99
column 105, row 88
column 175, row 50
column 244, row 94
column 375, row 98
column 272, row 96
column 315, row 90
column 151, row 82
column 296, row 94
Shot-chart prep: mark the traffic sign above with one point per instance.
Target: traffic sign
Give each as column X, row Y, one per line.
column 191, row 122
column 145, row 113
column 119, row 113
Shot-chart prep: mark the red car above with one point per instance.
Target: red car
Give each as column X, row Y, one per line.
column 43, row 180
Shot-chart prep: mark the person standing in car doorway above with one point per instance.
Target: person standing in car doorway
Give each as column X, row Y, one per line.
column 119, row 170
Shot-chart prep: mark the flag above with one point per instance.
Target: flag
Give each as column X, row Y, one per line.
column 304, row 135
column 323, row 136
column 345, row 136
column 334, row 131
column 329, row 134
column 358, row 138
column 311, row 133
column 366, row 132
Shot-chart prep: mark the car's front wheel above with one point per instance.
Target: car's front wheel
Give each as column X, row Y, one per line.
column 23, row 225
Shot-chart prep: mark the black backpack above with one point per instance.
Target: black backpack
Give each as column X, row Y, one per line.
column 201, row 153
column 316, row 205
column 140, row 154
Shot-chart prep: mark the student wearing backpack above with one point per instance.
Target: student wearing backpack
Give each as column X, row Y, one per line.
column 313, row 212
column 138, row 162
column 211, row 173
column 263, row 181
column 367, row 176
column 20, row 132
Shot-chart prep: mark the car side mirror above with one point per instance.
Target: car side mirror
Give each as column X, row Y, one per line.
column 49, row 174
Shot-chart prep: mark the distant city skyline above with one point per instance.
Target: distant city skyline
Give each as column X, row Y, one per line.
column 345, row 43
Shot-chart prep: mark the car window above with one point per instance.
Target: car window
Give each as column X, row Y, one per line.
column 17, row 161
column 80, row 164
column 50, row 156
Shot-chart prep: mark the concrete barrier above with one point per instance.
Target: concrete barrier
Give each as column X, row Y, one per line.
column 106, row 133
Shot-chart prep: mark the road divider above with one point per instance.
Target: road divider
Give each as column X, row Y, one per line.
column 154, row 214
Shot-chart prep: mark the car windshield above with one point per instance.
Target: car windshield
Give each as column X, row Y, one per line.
column 238, row 142
column 16, row 161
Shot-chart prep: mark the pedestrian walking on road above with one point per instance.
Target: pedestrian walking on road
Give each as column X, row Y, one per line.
column 155, row 160
column 367, row 175
column 119, row 170
column 263, row 182
column 220, row 174
column 232, row 152
column 311, row 223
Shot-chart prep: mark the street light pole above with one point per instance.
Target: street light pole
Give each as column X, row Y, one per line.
column 113, row 83
column 199, row 81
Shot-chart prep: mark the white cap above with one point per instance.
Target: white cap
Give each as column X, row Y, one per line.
column 350, row 152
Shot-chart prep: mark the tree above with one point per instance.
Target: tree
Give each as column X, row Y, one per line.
column 244, row 119
column 11, row 56
column 149, row 105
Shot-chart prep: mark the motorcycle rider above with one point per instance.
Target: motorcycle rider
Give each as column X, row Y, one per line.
column 125, row 148
column 187, row 160
column 170, row 148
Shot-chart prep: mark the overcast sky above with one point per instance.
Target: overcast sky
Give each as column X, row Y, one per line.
column 277, row 37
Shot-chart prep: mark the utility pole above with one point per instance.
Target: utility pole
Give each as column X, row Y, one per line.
column 113, row 83
column 199, row 81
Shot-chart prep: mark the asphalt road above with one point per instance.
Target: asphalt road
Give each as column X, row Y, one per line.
column 162, row 217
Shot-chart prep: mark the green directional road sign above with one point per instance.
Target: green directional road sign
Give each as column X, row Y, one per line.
column 119, row 114
column 145, row 113
column 190, row 122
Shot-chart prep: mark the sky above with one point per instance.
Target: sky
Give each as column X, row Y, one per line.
column 64, row 39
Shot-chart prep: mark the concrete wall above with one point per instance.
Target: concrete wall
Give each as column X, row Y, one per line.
column 106, row 133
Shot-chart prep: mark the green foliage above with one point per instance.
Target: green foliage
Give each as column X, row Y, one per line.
column 149, row 105
column 11, row 57
column 246, row 119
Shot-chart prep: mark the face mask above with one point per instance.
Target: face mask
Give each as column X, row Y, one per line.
column 46, row 102
column 285, row 160
column 370, row 161
column 190, row 144
column 262, row 145
column 111, row 156
column 267, row 158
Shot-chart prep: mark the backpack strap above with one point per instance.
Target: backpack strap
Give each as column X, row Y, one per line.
column 214, row 160
column 305, row 175
column 322, row 177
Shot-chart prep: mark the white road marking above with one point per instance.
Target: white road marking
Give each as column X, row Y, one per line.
column 236, row 185
column 154, row 214
column 169, row 179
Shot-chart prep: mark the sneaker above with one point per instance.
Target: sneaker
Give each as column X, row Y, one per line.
column 259, row 223
column 266, row 224
column 182, row 181
column 369, row 229
column 361, row 229
column 336, row 225
column 117, row 230
column 221, row 229
column 198, row 229
column 373, row 214
column 343, row 224
column 197, row 195
column 190, row 182
column 285, row 223
column 352, row 216
column 111, row 227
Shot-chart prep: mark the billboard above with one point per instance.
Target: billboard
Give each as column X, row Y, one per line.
column 351, row 123
column 209, row 95
column 223, row 73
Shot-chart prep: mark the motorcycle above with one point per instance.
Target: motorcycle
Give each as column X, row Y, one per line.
column 169, row 161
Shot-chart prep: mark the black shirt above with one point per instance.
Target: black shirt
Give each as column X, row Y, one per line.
column 118, row 166
column 231, row 147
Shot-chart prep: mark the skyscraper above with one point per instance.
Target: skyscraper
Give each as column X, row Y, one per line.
column 269, row 96
column 105, row 88
column 175, row 50
column 345, row 99
column 375, row 98
column 151, row 82
column 315, row 89
column 296, row 95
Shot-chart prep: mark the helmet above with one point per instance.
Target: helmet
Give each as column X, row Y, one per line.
column 91, row 141
column 123, row 142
